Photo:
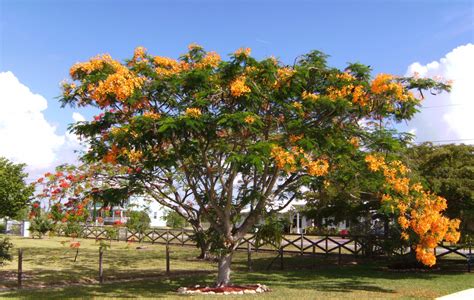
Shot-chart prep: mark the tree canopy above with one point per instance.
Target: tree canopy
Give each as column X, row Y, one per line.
column 15, row 193
column 212, row 136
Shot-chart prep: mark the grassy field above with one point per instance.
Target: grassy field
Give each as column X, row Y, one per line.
column 51, row 273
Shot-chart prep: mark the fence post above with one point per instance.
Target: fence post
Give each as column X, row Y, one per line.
column 327, row 253
column 101, row 269
column 302, row 238
column 249, row 256
column 470, row 258
column 355, row 246
column 20, row 267
column 281, row 258
column 339, row 256
column 314, row 256
column 167, row 258
column 182, row 236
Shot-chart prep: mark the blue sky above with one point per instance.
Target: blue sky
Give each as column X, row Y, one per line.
column 40, row 40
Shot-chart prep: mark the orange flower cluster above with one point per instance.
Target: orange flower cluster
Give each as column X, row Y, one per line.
column 309, row 96
column 354, row 141
column 139, row 53
column 420, row 212
column 238, row 86
column 134, row 155
column 193, row 112
column 249, row 119
column 120, row 84
column 283, row 75
column 212, row 59
column 96, row 63
column 297, row 105
column 193, row 46
column 351, row 90
column 152, row 115
column 319, row 167
column 243, row 51
column 345, row 76
column 295, row 138
column 384, row 84
column 289, row 159
column 355, row 92
column 166, row 66
column 111, row 156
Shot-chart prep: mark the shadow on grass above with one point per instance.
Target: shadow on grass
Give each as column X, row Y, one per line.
column 318, row 275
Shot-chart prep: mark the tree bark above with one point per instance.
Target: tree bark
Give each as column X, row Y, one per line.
column 223, row 276
column 205, row 250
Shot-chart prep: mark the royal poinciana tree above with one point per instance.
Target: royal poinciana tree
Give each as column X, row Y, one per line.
column 219, row 135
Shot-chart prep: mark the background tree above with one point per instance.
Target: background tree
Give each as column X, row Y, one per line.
column 219, row 136
column 351, row 192
column 15, row 193
column 139, row 222
column 173, row 219
column 448, row 170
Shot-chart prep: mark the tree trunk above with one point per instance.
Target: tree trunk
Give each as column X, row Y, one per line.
column 223, row 276
column 205, row 250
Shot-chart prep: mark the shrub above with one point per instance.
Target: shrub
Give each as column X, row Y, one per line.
column 5, row 247
column 40, row 225
column 271, row 232
column 138, row 221
column 72, row 229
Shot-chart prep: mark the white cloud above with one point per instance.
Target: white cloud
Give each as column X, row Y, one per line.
column 447, row 116
column 77, row 117
column 25, row 135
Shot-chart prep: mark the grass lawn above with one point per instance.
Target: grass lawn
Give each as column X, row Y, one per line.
column 51, row 273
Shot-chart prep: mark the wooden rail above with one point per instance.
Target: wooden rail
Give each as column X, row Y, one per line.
column 304, row 244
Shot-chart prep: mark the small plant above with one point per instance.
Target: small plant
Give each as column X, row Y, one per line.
column 72, row 229
column 5, row 247
column 40, row 225
column 271, row 232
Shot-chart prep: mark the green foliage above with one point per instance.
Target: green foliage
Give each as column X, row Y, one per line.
column 448, row 170
column 14, row 192
column 5, row 247
column 271, row 231
column 72, row 229
column 40, row 225
column 111, row 233
column 138, row 221
column 174, row 219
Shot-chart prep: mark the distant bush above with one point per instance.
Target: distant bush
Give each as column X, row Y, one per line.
column 174, row 220
column 5, row 247
column 40, row 225
column 138, row 221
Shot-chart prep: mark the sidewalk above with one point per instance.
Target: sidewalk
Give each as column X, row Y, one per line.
column 466, row 294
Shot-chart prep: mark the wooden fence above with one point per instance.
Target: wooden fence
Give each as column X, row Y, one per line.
column 291, row 243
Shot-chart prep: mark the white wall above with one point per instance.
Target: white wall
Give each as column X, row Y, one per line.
column 154, row 209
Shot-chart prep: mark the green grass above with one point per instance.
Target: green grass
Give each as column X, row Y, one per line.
column 140, row 274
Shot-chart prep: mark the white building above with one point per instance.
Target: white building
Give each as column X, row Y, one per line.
column 154, row 209
column 298, row 221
